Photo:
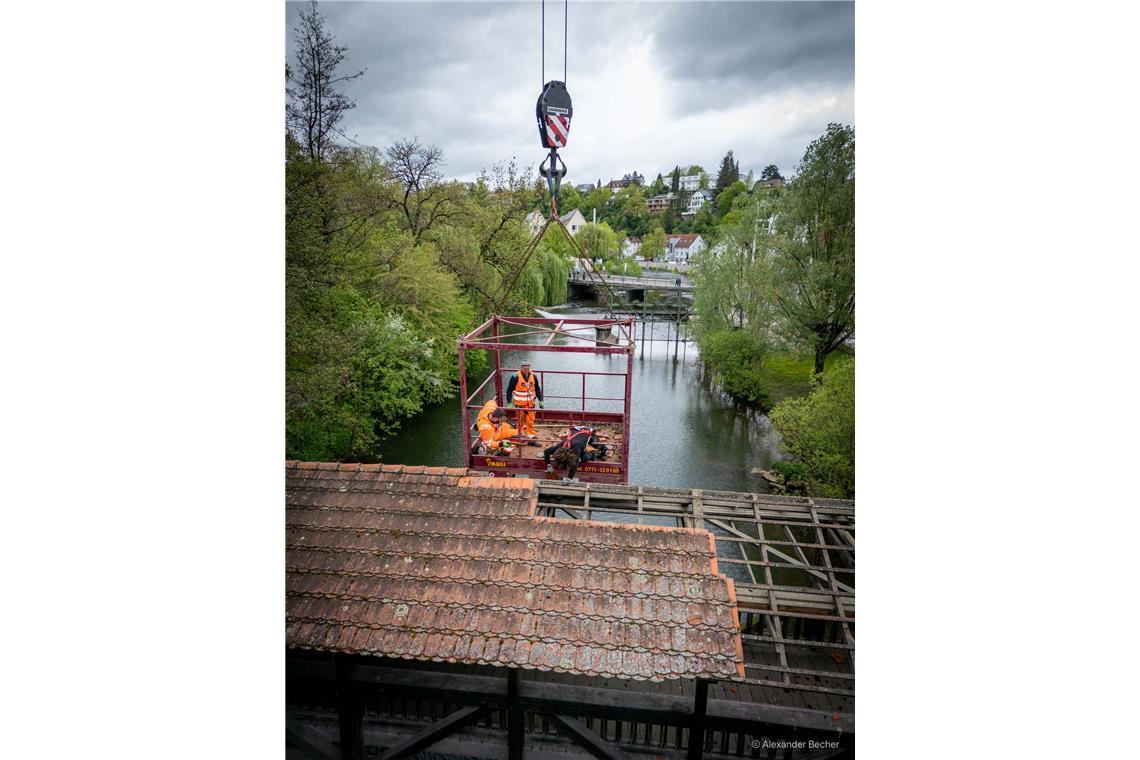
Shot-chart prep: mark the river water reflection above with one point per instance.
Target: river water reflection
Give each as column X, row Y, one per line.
column 684, row 433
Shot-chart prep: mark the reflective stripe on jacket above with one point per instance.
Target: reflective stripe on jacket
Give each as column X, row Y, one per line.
column 524, row 394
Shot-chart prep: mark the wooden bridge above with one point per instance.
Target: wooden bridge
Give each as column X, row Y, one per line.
column 384, row 602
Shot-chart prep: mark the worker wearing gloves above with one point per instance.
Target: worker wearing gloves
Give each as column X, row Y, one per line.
column 572, row 449
column 525, row 392
column 494, row 431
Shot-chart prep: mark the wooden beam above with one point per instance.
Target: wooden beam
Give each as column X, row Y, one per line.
column 515, row 716
column 697, row 724
column 309, row 740
column 349, row 710
column 436, row 731
column 554, row 332
column 589, row 701
column 584, row 737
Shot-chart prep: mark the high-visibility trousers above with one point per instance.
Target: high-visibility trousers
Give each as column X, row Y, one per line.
column 492, row 435
column 524, row 419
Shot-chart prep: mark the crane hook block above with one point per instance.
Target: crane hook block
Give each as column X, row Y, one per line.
column 553, row 112
column 553, row 172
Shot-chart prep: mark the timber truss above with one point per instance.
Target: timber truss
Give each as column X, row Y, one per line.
column 349, row 707
column 792, row 560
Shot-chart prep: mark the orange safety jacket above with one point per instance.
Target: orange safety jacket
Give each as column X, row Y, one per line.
column 489, row 431
column 524, row 392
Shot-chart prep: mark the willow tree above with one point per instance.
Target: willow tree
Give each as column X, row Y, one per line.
column 813, row 260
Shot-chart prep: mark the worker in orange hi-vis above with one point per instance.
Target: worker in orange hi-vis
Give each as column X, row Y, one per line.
column 525, row 392
column 494, row 431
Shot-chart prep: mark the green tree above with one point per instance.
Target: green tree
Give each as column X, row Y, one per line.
column 695, row 169
column 597, row 241
column 658, row 186
column 819, row 431
column 653, row 245
column 628, row 210
column 814, row 251
column 675, row 185
column 703, row 221
column 729, row 173
column 569, row 199
column 726, row 199
column 423, row 199
column 597, row 200
column 771, row 171
column 736, row 361
column 731, row 279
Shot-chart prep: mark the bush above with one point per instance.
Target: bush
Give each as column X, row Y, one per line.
column 819, row 432
column 622, row 267
column 791, row 471
column 736, row 361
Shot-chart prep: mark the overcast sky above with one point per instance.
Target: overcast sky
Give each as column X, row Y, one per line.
column 653, row 84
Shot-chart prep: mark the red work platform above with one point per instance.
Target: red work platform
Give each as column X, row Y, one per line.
column 583, row 336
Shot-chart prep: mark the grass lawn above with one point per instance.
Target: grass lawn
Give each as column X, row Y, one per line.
column 786, row 375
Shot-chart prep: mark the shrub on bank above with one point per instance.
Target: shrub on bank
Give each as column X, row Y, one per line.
column 736, row 360
column 819, row 432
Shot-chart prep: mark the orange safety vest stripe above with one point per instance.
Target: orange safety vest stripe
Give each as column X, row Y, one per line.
column 524, row 389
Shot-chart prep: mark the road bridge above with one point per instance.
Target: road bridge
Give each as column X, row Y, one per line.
column 619, row 282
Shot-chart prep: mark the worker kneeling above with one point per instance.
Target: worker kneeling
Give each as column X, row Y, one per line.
column 572, row 450
column 525, row 392
column 494, row 431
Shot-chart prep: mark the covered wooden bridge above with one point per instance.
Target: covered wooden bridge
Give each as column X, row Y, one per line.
column 429, row 611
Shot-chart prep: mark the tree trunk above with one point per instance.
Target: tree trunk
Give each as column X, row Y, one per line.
column 820, row 357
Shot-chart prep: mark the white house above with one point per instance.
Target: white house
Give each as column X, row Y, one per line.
column 573, row 221
column 690, row 182
column 534, row 221
column 630, row 246
column 698, row 199
column 683, row 247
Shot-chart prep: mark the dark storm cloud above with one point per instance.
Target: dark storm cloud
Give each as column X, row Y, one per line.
column 423, row 62
column 718, row 53
column 760, row 78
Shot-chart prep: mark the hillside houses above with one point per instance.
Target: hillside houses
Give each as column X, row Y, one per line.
column 658, row 203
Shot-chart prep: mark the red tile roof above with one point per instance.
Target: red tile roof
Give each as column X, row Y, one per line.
column 684, row 240
column 430, row 564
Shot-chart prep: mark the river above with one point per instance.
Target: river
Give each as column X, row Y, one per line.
column 684, row 432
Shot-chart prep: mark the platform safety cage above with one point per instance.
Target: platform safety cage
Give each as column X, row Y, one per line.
column 580, row 396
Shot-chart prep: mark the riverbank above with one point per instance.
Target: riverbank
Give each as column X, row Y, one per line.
column 785, row 375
